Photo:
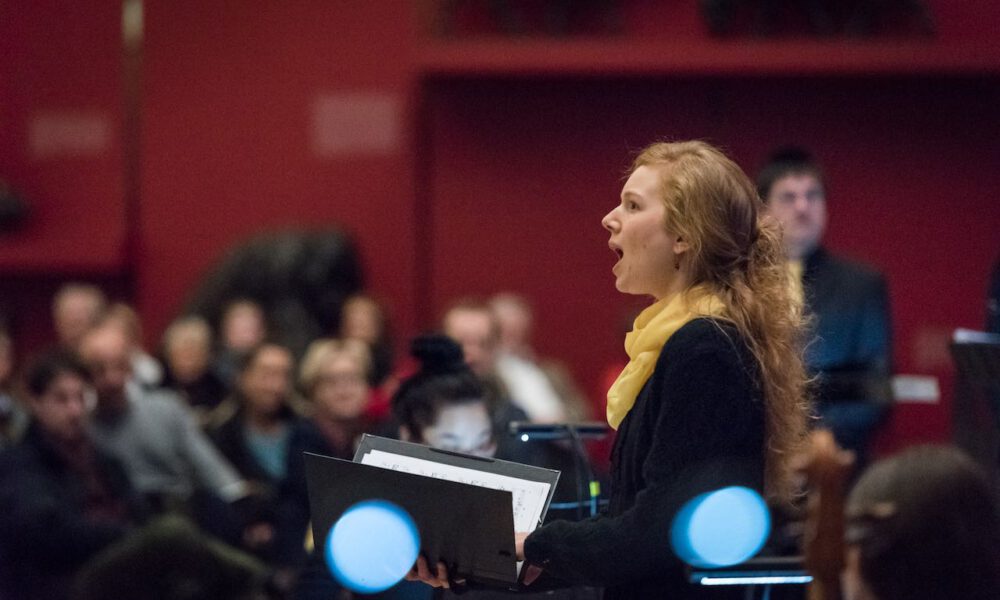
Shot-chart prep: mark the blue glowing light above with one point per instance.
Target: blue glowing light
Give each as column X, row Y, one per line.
column 760, row 580
column 721, row 528
column 372, row 546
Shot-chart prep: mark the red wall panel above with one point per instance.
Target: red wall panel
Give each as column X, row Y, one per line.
column 230, row 140
column 60, row 138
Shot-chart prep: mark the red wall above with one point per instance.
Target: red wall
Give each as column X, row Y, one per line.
column 60, row 134
column 61, row 150
column 228, row 146
column 486, row 176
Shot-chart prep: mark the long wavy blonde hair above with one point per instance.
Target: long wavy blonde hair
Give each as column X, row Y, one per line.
column 737, row 253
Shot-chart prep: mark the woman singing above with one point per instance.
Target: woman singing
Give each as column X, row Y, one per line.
column 713, row 394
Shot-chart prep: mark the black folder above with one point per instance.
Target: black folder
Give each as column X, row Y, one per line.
column 468, row 527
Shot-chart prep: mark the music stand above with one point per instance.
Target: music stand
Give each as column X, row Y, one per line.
column 976, row 410
column 576, row 433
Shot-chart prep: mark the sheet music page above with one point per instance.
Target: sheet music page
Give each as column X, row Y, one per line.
column 528, row 496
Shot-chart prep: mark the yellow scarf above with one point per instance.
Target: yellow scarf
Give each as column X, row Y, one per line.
column 795, row 269
column 652, row 328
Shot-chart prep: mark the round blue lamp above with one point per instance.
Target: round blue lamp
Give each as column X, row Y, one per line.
column 372, row 546
column 721, row 528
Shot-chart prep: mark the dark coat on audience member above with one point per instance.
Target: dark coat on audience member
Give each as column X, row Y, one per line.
column 849, row 350
column 852, row 337
column 269, row 501
column 226, row 429
column 46, row 534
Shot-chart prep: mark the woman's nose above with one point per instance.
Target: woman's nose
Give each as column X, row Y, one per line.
column 608, row 222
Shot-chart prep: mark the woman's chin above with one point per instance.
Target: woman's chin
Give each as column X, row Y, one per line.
column 625, row 288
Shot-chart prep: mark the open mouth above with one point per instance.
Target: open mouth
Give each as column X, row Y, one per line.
column 615, row 248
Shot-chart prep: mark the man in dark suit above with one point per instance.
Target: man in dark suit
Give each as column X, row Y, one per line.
column 850, row 349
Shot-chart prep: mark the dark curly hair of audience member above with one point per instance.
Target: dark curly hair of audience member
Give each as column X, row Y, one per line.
column 443, row 380
column 52, row 365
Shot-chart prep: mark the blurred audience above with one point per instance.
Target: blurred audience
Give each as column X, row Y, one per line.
column 76, row 308
column 923, row 525
column 62, row 499
column 472, row 324
column 146, row 370
column 550, row 394
column 242, row 328
column 364, row 318
column 334, row 379
column 254, row 429
column 851, row 342
column 187, row 353
column 12, row 416
column 166, row 455
column 445, row 405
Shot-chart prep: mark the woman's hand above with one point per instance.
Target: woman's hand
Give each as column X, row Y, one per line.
column 519, row 538
column 421, row 572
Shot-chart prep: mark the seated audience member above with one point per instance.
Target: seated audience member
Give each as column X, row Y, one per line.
column 187, row 352
column 146, row 370
column 242, row 328
column 334, row 378
column 12, row 417
column 363, row 318
column 76, row 307
column 255, row 428
column 62, row 500
column 923, row 525
column 167, row 456
column 445, row 405
column 850, row 346
column 473, row 325
column 553, row 395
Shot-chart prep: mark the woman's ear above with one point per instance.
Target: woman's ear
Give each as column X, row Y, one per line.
column 680, row 246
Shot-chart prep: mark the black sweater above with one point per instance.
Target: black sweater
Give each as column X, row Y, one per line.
column 46, row 534
column 697, row 425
